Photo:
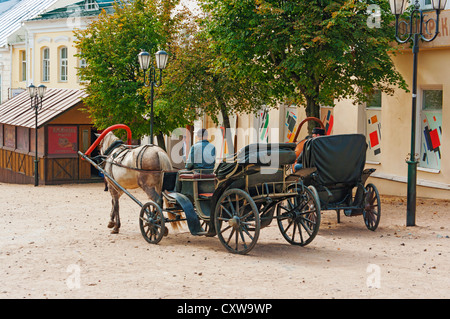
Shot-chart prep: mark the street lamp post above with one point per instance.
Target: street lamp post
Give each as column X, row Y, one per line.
column 414, row 29
column 144, row 63
column 36, row 95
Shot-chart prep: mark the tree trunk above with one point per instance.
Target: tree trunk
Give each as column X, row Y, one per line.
column 227, row 126
column 312, row 107
column 312, row 110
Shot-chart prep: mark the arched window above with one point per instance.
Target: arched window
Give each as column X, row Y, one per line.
column 45, row 64
column 63, row 64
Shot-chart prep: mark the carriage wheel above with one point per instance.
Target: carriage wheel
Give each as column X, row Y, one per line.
column 372, row 207
column 298, row 217
column 237, row 221
column 151, row 223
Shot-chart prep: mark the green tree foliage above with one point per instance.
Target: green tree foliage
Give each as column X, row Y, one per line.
column 319, row 51
column 203, row 81
column 114, row 81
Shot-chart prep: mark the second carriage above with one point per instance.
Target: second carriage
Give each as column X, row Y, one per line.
column 243, row 195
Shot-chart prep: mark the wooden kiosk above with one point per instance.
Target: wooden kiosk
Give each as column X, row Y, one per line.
column 63, row 130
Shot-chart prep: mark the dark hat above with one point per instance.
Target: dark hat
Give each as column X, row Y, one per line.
column 318, row 131
column 202, row 133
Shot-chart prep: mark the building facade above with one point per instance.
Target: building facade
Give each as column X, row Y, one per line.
column 385, row 121
column 12, row 15
column 42, row 51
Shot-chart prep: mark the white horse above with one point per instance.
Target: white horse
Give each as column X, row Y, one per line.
column 131, row 168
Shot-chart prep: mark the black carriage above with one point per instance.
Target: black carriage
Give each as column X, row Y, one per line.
column 243, row 195
column 340, row 178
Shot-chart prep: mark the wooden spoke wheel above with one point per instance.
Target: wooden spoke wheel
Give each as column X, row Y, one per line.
column 237, row 221
column 298, row 217
column 151, row 223
column 371, row 207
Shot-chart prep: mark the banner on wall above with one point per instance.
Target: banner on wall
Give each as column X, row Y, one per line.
column 430, row 156
column 327, row 118
column 62, row 140
column 290, row 124
column 263, row 126
column 373, row 135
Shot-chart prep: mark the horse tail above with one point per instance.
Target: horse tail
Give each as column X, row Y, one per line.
column 164, row 161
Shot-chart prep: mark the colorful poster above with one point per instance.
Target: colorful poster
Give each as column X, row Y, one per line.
column 290, row 125
column 327, row 118
column 373, row 134
column 431, row 132
column 62, row 140
column 263, row 129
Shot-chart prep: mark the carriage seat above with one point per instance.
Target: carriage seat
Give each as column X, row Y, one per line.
column 267, row 154
column 196, row 175
column 201, row 182
column 339, row 159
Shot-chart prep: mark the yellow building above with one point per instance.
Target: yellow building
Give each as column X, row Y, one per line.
column 49, row 59
column 43, row 50
column 387, row 122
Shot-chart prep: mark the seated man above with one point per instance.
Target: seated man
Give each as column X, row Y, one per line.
column 202, row 154
column 317, row 131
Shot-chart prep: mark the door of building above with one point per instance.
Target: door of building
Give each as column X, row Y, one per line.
column 84, row 168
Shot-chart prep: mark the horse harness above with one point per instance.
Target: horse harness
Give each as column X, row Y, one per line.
column 117, row 157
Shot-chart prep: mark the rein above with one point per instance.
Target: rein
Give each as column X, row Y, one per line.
column 135, row 169
column 113, row 146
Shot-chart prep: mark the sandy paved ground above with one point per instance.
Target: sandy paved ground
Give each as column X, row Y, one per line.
column 54, row 243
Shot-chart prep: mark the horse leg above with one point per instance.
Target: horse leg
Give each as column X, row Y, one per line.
column 116, row 227
column 114, row 222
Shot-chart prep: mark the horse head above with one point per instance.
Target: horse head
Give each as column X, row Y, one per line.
column 106, row 142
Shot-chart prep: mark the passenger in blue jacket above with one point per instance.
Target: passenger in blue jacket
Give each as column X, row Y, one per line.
column 202, row 154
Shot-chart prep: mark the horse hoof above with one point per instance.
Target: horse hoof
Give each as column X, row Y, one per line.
column 111, row 224
column 166, row 231
column 115, row 231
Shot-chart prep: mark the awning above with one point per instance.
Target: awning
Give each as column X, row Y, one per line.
column 18, row 112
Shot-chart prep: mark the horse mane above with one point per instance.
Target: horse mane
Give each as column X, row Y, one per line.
column 107, row 141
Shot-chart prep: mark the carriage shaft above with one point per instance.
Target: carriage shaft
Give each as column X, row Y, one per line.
column 110, row 178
